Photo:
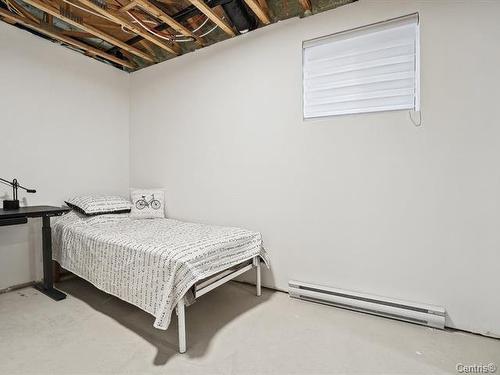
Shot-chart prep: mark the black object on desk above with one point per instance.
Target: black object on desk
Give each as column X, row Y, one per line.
column 13, row 204
column 20, row 216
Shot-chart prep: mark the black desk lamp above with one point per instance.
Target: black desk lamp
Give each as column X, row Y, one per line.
column 14, row 203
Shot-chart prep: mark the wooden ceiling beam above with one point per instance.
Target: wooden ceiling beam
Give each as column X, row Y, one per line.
column 259, row 11
column 8, row 20
column 205, row 9
column 161, row 15
column 90, row 29
column 19, row 8
column 64, row 39
column 49, row 19
column 117, row 18
column 264, row 5
column 306, row 5
column 146, row 45
column 127, row 7
column 76, row 34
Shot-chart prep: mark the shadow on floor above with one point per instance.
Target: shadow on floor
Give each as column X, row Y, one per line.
column 208, row 315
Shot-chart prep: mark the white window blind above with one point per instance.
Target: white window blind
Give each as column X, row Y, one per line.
column 370, row 69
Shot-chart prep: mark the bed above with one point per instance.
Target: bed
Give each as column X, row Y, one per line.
column 157, row 265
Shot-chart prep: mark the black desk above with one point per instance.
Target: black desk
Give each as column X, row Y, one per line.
column 21, row 216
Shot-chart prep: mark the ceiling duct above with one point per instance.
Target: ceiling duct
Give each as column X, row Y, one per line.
column 239, row 16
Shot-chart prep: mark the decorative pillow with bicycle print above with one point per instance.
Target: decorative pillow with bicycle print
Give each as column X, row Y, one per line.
column 147, row 204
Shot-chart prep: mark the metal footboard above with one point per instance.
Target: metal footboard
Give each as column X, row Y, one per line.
column 206, row 285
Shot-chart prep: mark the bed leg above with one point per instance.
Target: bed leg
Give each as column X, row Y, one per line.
column 256, row 262
column 181, row 318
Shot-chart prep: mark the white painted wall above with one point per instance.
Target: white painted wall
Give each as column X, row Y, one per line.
column 63, row 131
column 365, row 202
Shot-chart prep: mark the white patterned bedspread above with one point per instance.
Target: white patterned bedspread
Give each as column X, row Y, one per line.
column 150, row 263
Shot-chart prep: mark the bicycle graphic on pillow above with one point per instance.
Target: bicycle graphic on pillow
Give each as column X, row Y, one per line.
column 143, row 203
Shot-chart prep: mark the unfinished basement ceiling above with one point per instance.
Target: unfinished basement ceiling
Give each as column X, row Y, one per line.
column 133, row 34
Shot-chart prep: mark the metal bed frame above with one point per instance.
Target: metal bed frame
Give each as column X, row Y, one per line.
column 206, row 285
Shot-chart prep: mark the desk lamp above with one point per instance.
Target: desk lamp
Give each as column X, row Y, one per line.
column 13, row 204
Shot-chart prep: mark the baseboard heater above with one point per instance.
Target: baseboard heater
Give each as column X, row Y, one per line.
column 429, row 315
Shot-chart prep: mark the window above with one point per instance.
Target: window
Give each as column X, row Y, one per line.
column 369, row 69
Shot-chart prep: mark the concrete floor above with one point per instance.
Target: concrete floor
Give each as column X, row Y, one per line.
column 230, row 331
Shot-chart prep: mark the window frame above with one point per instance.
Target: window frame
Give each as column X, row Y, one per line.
column 416, row 107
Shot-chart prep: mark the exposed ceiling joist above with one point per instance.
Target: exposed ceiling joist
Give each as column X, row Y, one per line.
column 205, row 9
column 259, row 11
column 8, row 20
column 136, row 33
column 264, row 5
column 306, row 5
column 90, row 29
column 20, row 9
column 161, row 15
column 127, row 7
column 186, row 13
column 58, row 36
column 48, row 19
column 174, row 48
column 146, row 45
column 76, row 34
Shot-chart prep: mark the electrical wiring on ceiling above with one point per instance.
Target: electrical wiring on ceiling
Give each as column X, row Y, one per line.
column 177, row 35
column 199, row 27
column 141, row 23
column 12, row 9
column 208, row 32
column 173, row 37
column 87, row 10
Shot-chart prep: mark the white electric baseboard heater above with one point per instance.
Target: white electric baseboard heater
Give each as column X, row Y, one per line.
column 429, row 315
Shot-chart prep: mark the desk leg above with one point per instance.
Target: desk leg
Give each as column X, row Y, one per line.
column 47, row 286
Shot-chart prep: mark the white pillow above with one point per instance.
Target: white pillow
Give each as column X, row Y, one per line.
column 147, row 203
column 99, row 204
